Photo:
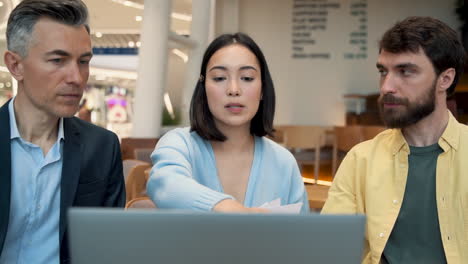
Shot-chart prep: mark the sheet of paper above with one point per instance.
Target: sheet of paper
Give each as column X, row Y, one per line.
column 276, row 207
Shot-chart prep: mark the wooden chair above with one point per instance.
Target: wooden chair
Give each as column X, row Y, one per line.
column 369, row 132
column 345, row 138
column 305, row 143
column 140, row 203
column 135, row 185
column 317, row 195
column 128, row 146
column 129, row 164
column 280, row 134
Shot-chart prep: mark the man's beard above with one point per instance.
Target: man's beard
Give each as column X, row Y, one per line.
column 409, row 113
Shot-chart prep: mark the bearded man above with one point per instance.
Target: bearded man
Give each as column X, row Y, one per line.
column 411, row 181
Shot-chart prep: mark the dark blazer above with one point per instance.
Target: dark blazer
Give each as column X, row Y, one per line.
column 91, row 172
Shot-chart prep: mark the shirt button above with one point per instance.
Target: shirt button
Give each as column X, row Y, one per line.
column 395, row 201
column 381, row 235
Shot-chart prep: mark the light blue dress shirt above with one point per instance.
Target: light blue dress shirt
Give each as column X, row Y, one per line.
column 184, row 174
column 33, row 229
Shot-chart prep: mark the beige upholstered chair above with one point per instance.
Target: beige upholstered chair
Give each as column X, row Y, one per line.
column 128, row 165
column 140, row 203
column 143, row 154
column 135, row 185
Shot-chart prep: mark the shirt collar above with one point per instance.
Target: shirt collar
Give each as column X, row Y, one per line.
column 399, row 142
column 14, row 133
column 60, row 134
column 451, row 136
column 449, row 139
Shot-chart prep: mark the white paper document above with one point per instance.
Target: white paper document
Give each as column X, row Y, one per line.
column 276, row 207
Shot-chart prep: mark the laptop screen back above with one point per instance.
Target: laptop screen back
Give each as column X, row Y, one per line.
column 157, row 236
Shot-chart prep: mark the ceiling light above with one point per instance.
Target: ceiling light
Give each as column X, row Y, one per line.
column 138, row 18
column 8, row 84
column 98, row 34
column 129, row 3
column 175, row 15
column 1, row 3
column 131, row 44
column 168, row 104
column 180, row 16
column 182, row 32
column 181, row 54
column 109, row 73
column 100, row 77
column 138, row 44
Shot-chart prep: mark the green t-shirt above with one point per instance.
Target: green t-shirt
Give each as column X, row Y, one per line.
column 415, row 238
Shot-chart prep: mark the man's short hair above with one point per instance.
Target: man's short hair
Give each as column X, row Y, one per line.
column 26, row 14
column 439, row 42
column 201, row 118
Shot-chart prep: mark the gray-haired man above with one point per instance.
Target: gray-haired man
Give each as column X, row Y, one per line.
column 49, row 159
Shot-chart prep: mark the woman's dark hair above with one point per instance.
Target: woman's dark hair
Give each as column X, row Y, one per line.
column 201, row 119
column 439, row 42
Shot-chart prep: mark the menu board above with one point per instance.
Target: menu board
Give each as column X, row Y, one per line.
column 310, row 24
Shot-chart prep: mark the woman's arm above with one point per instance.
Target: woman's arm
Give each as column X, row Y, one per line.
column 171, row 183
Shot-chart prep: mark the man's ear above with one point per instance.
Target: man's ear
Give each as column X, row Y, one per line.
column 13, row 62
column 446, row 79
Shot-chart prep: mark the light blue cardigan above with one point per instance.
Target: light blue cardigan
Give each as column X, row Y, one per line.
column 184, row 174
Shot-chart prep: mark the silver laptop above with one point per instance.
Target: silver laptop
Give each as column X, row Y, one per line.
column 172, row 237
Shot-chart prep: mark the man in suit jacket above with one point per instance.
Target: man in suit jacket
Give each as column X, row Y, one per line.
column 50, row 160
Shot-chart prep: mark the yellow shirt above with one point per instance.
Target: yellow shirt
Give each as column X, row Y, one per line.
column 371, row 180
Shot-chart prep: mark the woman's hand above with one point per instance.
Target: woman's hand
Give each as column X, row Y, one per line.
column 233, row 206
